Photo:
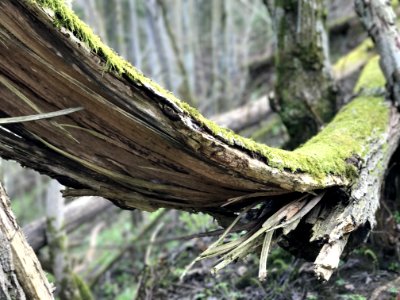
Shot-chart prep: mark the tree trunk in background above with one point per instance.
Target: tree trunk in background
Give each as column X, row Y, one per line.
column 21, row 276
column 94, row 17
column 120, row 30
column 70, row 286
column 184, row 88
column 135, row 53
column 218, row 46
column 160, row 49
column 244, row 116
column 305, row 90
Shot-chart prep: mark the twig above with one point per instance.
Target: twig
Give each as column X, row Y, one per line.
column 38, row 117
column 214, row 245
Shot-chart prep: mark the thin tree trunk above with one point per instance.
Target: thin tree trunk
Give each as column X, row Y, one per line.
column 94, row 17
column 135, row 50
column 120, row 31
column 379, row 20
column 184, row 89
column 77, row 213
column 155, row 35
column 217, row 38
column 70, row 286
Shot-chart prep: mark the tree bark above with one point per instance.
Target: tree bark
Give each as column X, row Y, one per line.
column 21, row 276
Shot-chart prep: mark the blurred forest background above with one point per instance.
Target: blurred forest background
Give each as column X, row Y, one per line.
column 218, row 56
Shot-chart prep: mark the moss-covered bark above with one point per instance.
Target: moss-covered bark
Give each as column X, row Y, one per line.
column 305, row 91
column 134, row 142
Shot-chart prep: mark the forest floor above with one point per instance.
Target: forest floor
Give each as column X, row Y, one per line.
column 366, row 273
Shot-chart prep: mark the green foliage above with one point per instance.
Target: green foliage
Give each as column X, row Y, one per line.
column 394, row 266
column 127, row 294
column 340, row 282
column 28, row 199
column 111, row 235
column 396, row 216
column 221, row 290
column 195, row 223
column 278, row 259
column 50, row 277
column 353, row 297
column 311, row 297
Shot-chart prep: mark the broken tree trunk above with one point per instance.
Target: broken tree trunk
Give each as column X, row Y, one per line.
column 137, row 145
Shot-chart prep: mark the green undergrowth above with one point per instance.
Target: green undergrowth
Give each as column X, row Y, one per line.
column 347, row 135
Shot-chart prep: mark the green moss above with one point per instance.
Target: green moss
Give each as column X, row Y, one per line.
column 324, row 154
column 356, row 57
column 372, row 77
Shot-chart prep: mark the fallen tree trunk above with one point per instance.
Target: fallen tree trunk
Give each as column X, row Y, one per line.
column 78, row 212
column 137, row 145
column 245, row 116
